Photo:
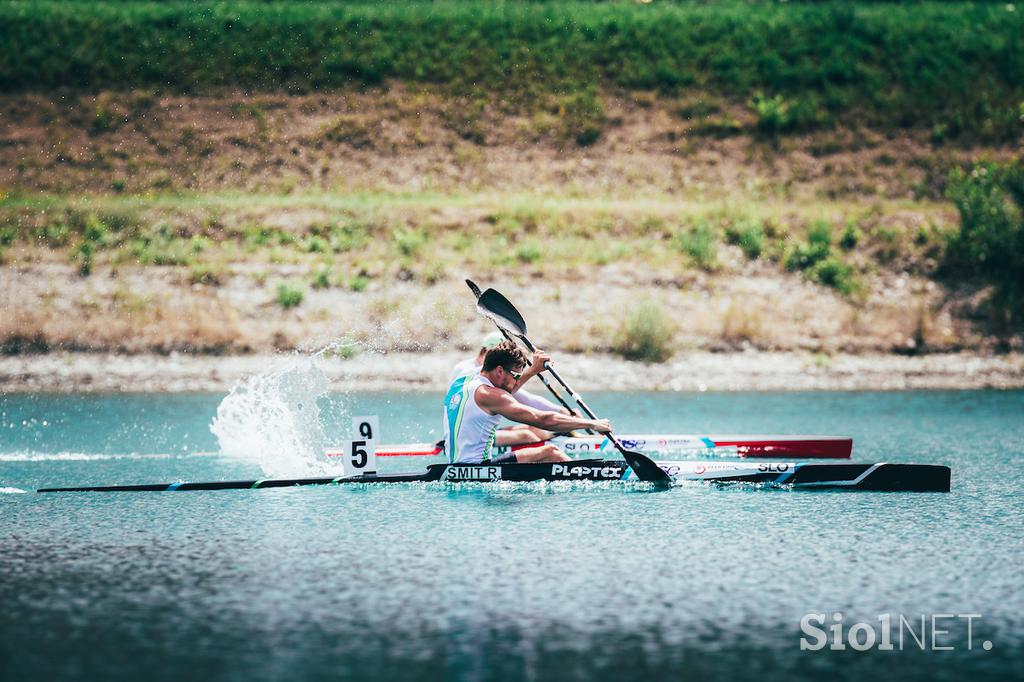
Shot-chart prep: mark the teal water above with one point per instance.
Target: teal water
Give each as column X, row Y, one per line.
column 538, row 582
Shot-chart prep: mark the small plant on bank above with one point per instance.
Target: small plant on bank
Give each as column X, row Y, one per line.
column 805, row 255
column 322, row 278
column 749, row 237
column 409, row 242
column 582, row 115
column 358, row 283
column 700, row 243
column 645, row 334
column 316, row 245
column 7, row 235
column 815, row 259
column 83, row 256
column 851, row 237
column 528, row 252
column 773, row 115
column 289, row 296
column 205, row 275
column 837, row 274
column 348, row 237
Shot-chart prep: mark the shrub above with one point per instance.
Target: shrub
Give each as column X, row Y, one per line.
column 409, row 241
column 204, row 274
column 645, row 334
column 358, row 283
column 805, row 255
column 749, row 237
column 160, row 247
column 83, row 254
column 820, row 235
column 348, row 237
column 990, row 242
column 582, row 115
column 773, row 115
column 316, row 245
column 835, row 273
column 528, row 252
column 851, row 236
column 7, row 234
column 322, row 278
column 700, row 244
column 289, row 296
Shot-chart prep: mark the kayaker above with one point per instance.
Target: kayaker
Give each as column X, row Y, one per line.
column 517, row 434
column 475, row 404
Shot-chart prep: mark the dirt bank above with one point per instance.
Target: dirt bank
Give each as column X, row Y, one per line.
column 760, row 371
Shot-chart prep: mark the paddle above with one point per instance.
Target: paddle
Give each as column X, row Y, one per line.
column 476, row 292
column 501, row 311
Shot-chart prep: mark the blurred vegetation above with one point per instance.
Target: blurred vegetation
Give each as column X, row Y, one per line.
column 289, row 295
column 700, row 243
column 955, row 69
column 374, row 239
column 646, row 333
column 989, row 245
column 816, row 259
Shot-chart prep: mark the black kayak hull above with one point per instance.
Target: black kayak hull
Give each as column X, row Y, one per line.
column 791, row 475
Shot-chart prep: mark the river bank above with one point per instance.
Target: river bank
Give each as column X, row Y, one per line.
column 368, row 371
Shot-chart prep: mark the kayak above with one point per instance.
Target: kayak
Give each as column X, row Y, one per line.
column 776, row 474
column 756, row 446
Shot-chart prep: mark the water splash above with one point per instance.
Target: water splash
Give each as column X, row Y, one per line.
column 11, row 491
column 274, row 419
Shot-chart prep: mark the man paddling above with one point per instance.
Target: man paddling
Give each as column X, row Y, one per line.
column 518, row 434
column 476, row 403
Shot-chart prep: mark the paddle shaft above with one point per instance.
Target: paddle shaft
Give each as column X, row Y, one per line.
column 476, row 292
column 575, row 396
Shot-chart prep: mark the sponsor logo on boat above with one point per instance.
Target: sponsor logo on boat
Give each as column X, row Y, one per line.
column 773, row 467
column 471, row 473
column 576, row 471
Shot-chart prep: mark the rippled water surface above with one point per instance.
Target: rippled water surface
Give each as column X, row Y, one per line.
column 601, row 581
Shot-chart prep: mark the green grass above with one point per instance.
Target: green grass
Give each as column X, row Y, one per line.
column 289, row 296
column 358, row 241
column 796, row 65
column 749, row 236
column 700, row 243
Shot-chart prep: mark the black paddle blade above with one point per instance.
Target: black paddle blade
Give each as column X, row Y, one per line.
column 502, row 312
column 646, row 468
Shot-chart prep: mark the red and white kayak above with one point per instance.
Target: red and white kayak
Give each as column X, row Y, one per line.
column 772, row 446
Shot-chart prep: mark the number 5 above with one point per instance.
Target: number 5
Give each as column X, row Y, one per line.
column 359, row 456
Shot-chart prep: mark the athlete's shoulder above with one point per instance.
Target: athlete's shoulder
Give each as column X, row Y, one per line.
column 490, row 396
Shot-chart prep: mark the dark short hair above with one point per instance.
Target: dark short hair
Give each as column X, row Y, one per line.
column 506, row 354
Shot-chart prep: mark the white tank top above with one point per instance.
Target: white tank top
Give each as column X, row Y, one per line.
column 469, row 431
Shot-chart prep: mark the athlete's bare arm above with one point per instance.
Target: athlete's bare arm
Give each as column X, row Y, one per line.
column 497, row 401
column 540, row 358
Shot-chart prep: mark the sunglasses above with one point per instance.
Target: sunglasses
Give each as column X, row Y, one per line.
column 515, row 375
